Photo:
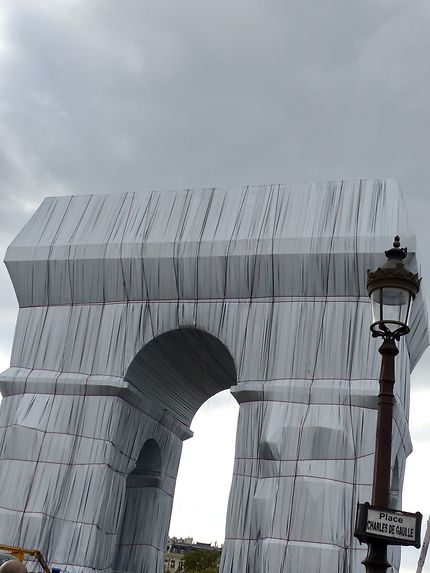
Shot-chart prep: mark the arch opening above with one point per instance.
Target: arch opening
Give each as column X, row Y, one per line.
column 205, row 472
column 177, row 371
column 141, row 500
column 181, row 369
column 148, row 464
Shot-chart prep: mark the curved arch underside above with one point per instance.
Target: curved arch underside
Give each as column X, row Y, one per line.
column 181, row 369
column 148, row 463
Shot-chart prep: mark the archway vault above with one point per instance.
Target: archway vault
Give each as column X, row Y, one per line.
column 181, row 369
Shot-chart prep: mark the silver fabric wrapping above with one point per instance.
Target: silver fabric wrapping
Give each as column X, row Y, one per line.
column 136, row 308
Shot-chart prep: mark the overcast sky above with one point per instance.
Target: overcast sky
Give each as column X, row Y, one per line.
column 127, row 95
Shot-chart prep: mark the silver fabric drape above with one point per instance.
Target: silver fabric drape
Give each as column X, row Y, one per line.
column 136, row 308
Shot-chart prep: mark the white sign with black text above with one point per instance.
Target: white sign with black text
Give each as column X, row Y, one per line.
column 391, row 524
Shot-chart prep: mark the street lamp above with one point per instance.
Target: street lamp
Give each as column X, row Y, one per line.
column 392, row 289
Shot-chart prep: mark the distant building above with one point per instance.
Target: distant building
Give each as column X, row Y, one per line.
column 177, row 548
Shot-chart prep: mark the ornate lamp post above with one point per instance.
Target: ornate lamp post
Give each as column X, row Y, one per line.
column 392, row 289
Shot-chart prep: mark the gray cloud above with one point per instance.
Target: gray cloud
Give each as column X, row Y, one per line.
column 107, row 97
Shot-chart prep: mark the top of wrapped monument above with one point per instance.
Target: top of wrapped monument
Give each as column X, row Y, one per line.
column 300, row 240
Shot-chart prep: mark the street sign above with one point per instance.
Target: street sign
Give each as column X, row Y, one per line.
column 389, row 525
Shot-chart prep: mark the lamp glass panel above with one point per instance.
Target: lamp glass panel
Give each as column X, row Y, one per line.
column 376, row 298
column 391, row 304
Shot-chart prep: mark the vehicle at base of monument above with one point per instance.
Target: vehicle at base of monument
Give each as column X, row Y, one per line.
column 8, row 552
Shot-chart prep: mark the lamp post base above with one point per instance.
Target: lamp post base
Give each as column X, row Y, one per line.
column 376, row 558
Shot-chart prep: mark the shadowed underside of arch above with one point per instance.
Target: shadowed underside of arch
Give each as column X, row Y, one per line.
column 148, row 463
column 181, row 369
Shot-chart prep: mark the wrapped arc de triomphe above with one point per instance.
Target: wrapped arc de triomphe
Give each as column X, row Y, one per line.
column 136, row 308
